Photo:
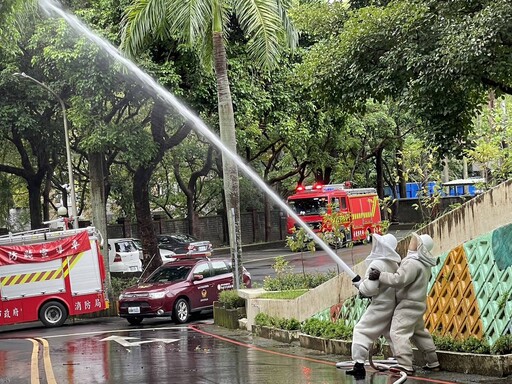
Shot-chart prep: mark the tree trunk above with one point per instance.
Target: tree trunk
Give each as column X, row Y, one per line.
column 98, row 207
column 191, row 216
column 46, row 196
column 152, row 258
column 34, row 201
column 379, row 169
column 229, row 168
column 268, row 219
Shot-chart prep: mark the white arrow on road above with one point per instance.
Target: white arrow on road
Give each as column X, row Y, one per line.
column 124, row 340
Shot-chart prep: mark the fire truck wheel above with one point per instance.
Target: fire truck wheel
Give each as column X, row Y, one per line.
column 53, row 314
column 134, row 320
column 181, row 311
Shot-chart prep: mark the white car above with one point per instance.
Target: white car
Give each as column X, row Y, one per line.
column 165, row 254
column 123, row 256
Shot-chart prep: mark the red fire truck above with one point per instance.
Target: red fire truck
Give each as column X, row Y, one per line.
column 360, row 207
column 49, row 276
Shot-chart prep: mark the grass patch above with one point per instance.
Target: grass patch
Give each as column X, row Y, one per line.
column 284, row 295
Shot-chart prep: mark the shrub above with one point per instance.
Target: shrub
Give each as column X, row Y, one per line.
column 265, row 320
column 285, row 279
column 289, row 281
column 474, row 345
column 503, row 345
column 469, row 345
column 327, row 329
column 230, row 299
column 119, row 284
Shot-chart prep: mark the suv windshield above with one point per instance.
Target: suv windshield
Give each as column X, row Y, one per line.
column 166, row 275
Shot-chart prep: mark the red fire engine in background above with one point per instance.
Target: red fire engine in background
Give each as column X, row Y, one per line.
column 360, row 207
column 49, row 276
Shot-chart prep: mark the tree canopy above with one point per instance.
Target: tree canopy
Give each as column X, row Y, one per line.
column 437, row 58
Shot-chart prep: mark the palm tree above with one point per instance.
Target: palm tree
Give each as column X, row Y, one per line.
column 203, row 23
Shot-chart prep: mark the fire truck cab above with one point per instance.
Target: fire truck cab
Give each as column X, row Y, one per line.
column 360, row 207
column 49, row 276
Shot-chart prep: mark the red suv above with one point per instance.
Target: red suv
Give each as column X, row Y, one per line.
column 177, row 289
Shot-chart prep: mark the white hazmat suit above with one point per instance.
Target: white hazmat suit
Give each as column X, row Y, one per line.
column 411, row 282
column 376, row 320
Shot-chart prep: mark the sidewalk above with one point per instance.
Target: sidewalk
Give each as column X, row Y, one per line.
column 246, row 337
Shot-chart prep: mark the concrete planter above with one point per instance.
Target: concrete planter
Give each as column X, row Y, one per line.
column 227, row 318
column 329, row 346
column 281, row 335
column 486, row 365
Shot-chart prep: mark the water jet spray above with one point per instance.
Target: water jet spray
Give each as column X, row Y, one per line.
column 54, row 7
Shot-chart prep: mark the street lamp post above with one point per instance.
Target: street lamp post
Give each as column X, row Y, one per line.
column 68, row 149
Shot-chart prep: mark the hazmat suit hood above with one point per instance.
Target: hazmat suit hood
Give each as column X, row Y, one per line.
column 383, row 248
column 423, row 251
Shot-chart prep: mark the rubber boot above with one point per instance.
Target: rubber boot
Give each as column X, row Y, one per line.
column 358, row 371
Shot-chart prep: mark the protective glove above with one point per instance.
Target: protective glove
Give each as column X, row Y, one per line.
column 374, row 274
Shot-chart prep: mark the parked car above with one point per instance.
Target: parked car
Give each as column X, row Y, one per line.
column 123, row 256
column 185, row 245
column 177, row 289
column 165, row 254
column 138, row 245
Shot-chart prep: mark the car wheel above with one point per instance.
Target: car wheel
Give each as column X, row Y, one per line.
column 134, row 320
column 53, row 314
column 181, row 312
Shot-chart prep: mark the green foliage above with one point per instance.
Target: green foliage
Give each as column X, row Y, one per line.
column 474, row 345
column 121, row 283
column 296, row 281
column 230, row 299
column 327, row 329
column 265, row 320
column 493, row 130
column 438, row 58
column 335, row 226
column 502, row 300
column 469, row 345
column 503, row 345
column 283, row 295
column 299, row 241
column 285, row 279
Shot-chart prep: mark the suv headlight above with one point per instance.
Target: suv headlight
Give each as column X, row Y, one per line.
column 157, row 295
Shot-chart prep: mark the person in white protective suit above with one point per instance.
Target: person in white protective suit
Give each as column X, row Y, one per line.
column 411, row 281
column 376, row 320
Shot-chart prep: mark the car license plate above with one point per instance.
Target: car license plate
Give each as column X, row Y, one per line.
column 133, row 310
column 133, row 269
column 202, row 248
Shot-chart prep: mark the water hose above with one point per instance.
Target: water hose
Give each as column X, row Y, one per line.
column 381, row 367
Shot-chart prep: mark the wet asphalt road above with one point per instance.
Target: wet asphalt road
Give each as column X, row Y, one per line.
column 259, row 261
column 110, row 351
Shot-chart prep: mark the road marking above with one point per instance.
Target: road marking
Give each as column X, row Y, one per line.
column 50, row 377
column 124, row 340
column 113, row 331
column 34, row 362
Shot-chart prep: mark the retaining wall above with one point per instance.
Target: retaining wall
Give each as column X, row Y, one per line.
column 470, row 289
